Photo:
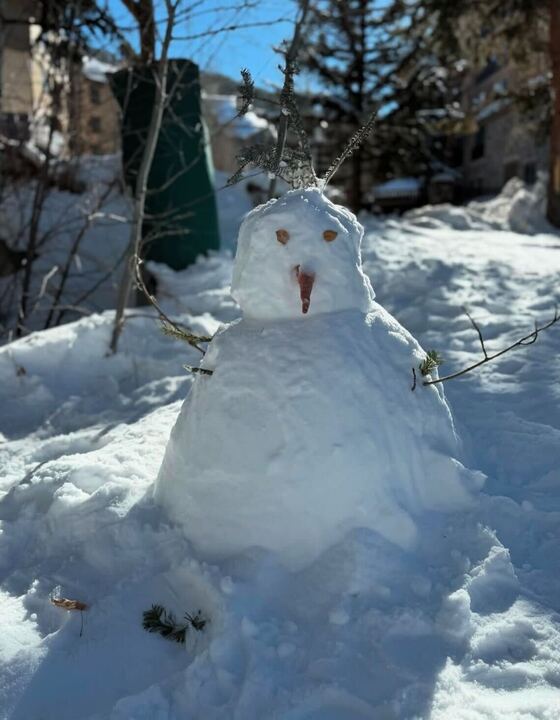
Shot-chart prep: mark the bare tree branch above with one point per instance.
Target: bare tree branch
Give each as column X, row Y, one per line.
column 72, row 253
column 289, row 70
column 230, row 28
column 133, row 268
column 526, row 340
column 478, row 331
column 353, row 144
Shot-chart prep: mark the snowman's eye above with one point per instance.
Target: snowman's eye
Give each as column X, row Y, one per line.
column 330, row 235
column 282, row 236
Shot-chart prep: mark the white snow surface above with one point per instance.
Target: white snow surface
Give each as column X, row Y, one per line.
column 97, row 70
column 398, row 187
column 265, row 273
column 518, row 207
column 297, row 428
column 462, row 626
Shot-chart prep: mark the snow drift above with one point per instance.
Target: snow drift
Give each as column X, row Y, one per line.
column 518, row 207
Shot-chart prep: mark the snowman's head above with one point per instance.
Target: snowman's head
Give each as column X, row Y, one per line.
column 298, row 256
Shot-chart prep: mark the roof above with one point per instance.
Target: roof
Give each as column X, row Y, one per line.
column 97, row 70
column 398, row 187
column 224, row 108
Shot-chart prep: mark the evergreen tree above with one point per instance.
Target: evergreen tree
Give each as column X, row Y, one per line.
column 72, row 26
column 369, row 56
column 342, row 53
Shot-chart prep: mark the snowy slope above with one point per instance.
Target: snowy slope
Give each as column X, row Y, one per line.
column 464, row 628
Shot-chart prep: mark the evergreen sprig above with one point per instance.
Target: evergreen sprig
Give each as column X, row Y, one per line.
column 432, row 361
column 173, row 330
column 357, row 139
column 295, row 166
column 199, row 370
column 158, row 620
column 246, row 92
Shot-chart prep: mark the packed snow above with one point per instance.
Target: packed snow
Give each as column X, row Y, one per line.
column 398, row 187
column 97, row 70
column 286, row 237
column 297, row 426
column 461, row 625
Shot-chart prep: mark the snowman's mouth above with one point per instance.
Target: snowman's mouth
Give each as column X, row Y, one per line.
column 305, row 281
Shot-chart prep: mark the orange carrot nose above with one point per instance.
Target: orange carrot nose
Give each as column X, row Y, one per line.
column 305, row 281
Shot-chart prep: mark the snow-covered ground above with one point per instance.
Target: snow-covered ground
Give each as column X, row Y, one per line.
column 465, row 627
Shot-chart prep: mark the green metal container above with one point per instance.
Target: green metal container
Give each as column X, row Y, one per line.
column 181, row 220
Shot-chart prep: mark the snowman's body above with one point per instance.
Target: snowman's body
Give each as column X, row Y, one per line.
column 307, row 427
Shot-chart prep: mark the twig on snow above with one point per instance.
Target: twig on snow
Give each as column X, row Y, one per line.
column 526, row 340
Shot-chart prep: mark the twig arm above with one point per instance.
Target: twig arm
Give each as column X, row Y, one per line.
column 289, row 72
column 526, row 340
column 478, row 331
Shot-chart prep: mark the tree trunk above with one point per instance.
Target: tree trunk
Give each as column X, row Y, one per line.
column 39, row 198
column 132, row 265
column 553, row 205
column 133, row 257
column 290, row 69
column 143, row 13
column 356, row 185
column 355, row 196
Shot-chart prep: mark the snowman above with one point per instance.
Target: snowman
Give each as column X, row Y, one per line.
column 307, row 428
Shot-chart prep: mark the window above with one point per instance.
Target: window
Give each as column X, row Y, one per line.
column 511, row 169
column 478, row 145
column 95, row 123
column 530, row 173
column 94, row 93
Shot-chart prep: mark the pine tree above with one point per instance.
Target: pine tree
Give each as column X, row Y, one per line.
column 341, row 52
column 368, row 57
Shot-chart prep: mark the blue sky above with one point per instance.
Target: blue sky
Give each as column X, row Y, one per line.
column 228, row 52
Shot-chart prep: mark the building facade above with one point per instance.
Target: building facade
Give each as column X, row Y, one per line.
column 17, row 76
column 500, row 143
column 94, row 114
column 86, row 115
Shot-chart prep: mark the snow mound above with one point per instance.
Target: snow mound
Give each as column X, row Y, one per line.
column 519, row 208
column 307, row 429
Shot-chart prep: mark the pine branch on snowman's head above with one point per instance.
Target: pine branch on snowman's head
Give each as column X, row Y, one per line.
column 299, row 255
column 292, row 164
